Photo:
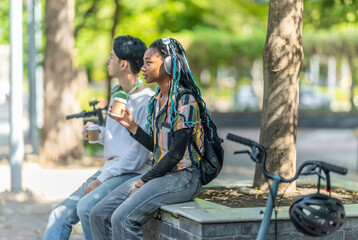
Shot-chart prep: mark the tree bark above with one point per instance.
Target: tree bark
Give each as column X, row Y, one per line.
column 61, row 139
column 283, row 55
column 113, row 30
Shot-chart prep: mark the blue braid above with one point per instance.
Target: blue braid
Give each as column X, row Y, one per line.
column 148, row 126
column 207, row 111
column 174, row 90
column 176, row 78
column 187, row 65
column 173, row 104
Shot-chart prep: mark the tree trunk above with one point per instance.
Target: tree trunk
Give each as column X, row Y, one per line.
column 283, row 55
column 113, row 30
column 61, row 139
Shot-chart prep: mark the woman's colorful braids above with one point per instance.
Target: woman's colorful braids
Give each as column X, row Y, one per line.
column 182, row 75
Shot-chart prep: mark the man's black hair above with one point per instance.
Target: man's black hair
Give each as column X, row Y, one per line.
column 131, row 49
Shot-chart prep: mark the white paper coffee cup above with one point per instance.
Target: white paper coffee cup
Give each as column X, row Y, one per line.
column 118, row 105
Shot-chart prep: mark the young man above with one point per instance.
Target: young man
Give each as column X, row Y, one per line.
column 125, row 157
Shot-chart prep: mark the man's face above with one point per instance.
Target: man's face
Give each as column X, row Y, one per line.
column 153, row 68
column 113, row 65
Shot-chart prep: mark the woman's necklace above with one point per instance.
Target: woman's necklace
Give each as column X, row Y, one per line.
column 162, row 101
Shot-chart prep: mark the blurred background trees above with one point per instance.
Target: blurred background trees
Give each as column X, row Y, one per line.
column 224, row 42
column 61, row 139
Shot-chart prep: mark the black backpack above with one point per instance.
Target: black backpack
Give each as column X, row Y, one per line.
column 212, row 161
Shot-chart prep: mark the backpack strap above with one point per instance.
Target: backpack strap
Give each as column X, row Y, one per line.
column 181, row 93
column 195, row 146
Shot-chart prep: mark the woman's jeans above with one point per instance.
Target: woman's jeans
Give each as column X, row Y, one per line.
column 78, row 206
column 121, row 216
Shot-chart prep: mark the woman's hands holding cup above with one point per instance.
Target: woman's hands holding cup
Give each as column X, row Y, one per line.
column 126, row 120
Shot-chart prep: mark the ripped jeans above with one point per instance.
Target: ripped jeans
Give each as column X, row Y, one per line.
column 78, row 206
column 120, row 216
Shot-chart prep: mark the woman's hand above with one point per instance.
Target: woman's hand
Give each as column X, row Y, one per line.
column 126, row 120
column 138, row 185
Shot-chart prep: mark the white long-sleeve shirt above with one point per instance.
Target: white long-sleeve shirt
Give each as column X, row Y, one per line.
column 123, row 154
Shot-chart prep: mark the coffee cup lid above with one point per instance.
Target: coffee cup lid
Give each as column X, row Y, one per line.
column 121, row 94
column 93, row 127
column 120, row 100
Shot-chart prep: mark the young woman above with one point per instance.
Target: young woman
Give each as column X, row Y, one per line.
column 173, row 127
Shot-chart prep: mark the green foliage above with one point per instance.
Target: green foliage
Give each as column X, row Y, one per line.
column 327, row 13
column 338, row 41
column 211, row 48
column 93, row 39
column 214, row 33
column 150, row 20
column 94, row 150
column 4, row 21
column 90, row 94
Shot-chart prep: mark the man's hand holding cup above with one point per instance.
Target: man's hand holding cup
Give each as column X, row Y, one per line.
column 91, row 132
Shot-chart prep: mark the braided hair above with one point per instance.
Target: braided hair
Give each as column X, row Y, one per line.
column 182, row 76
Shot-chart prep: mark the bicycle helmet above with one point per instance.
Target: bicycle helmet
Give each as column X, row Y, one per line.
column 317, row 214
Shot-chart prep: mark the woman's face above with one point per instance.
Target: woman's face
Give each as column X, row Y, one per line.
column 153, row 68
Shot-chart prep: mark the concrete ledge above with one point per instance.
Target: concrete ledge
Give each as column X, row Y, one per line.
column 202, row 211
column 203, row 220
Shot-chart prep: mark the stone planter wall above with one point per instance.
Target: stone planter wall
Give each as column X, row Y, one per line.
column 202, row 220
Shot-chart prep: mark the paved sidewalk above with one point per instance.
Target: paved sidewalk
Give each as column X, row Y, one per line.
column 18, row 220
column 24, row 215
column 26, row 220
